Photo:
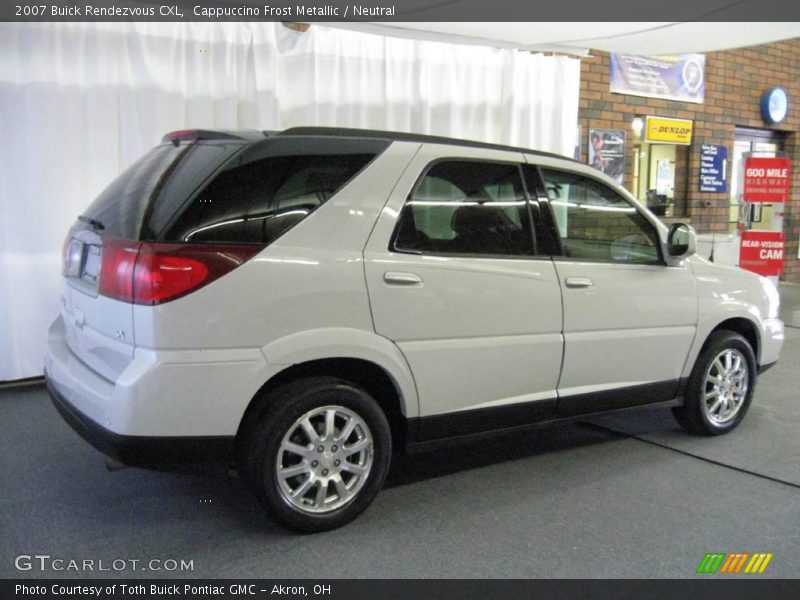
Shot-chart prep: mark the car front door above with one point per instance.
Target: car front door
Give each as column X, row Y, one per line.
column 456, row 282
column 629, row 319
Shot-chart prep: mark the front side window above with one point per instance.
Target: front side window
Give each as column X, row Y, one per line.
column 596, row 223
column 467, row 207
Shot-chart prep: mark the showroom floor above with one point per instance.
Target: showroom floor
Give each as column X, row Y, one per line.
column 622, row 496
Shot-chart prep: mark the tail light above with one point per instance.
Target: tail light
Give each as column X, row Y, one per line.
column 116, row 268
column 153, row 273
column 71, row 256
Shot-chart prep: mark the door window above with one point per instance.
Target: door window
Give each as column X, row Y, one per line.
column 467, row 207
column 596, row 223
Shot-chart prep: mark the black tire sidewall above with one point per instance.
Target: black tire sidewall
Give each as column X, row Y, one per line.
column 288, row 405
column 718, row 342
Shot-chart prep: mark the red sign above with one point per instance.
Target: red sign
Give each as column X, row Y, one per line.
column 767, row 179
column 762, row 252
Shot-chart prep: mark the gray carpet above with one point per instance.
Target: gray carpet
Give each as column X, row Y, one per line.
column 581, row 500
column 790, row 304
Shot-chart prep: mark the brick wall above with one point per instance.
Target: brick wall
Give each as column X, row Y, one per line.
column 735, row 80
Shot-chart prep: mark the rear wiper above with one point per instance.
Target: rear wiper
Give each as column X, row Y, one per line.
column 93, row 223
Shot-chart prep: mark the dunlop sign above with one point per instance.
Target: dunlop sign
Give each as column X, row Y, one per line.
column 668, row 131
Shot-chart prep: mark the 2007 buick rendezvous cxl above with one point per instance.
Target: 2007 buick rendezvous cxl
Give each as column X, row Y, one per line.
column 303, row 303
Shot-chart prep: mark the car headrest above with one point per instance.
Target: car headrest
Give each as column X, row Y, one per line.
column 468, row 219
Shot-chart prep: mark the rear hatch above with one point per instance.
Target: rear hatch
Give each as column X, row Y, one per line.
column 102, row 248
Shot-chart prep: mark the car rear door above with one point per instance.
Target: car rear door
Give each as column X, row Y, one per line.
column 455, row 281
column 629, row 319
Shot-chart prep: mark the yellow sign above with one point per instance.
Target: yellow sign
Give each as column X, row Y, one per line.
column 668, row 131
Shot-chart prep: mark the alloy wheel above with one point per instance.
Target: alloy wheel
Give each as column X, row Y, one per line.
column 726, row 384
column 324, row 459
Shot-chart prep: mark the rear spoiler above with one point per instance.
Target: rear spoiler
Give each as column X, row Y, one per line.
column 182, row 135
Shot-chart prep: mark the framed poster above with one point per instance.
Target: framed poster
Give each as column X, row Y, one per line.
column 606, row 152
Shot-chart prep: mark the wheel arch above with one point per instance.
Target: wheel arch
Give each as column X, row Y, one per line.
column 373, row 378
column 744, row 327
column 744, row 322
column 699, row 414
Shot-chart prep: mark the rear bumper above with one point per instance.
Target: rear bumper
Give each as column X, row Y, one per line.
column 160, row 393
column 165, row 409
column 143, row 451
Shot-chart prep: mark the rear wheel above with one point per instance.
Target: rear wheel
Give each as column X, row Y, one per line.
column 721, row 386
column 319, row 454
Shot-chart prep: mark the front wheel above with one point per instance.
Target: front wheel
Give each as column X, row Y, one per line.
column 721, row 386
column 320, row 453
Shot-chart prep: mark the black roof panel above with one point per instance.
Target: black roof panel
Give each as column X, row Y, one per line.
column 408, row 137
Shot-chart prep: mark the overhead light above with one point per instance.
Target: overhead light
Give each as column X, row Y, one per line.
column 638, row 126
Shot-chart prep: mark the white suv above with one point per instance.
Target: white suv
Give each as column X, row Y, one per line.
column 303, row 303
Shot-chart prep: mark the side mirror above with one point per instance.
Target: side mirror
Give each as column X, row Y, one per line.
column 681, row 240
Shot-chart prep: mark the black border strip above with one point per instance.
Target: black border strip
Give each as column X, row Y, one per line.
column 433, row 428
column 387, row 11
column 712, row 587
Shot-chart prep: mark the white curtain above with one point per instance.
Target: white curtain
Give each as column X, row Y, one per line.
column 81, row 101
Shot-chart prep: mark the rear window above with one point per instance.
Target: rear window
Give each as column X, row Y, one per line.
column 258, row 201
column 121, row 206
column 167, row 173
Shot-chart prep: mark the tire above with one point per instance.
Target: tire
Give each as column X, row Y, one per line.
column 308, row 476
column 720, row 387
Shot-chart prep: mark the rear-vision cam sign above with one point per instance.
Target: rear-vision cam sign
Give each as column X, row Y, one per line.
column 762, row 252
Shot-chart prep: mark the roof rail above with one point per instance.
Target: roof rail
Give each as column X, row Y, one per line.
column 408, row 137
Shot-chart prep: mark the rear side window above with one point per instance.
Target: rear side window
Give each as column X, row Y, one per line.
column 467, row 207
column 258, row 201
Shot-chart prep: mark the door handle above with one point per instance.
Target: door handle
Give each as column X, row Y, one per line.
column 398, row 278
column 578, row 282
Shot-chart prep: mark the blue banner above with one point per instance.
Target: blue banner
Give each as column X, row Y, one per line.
column 675, row 77
column 713, row 168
